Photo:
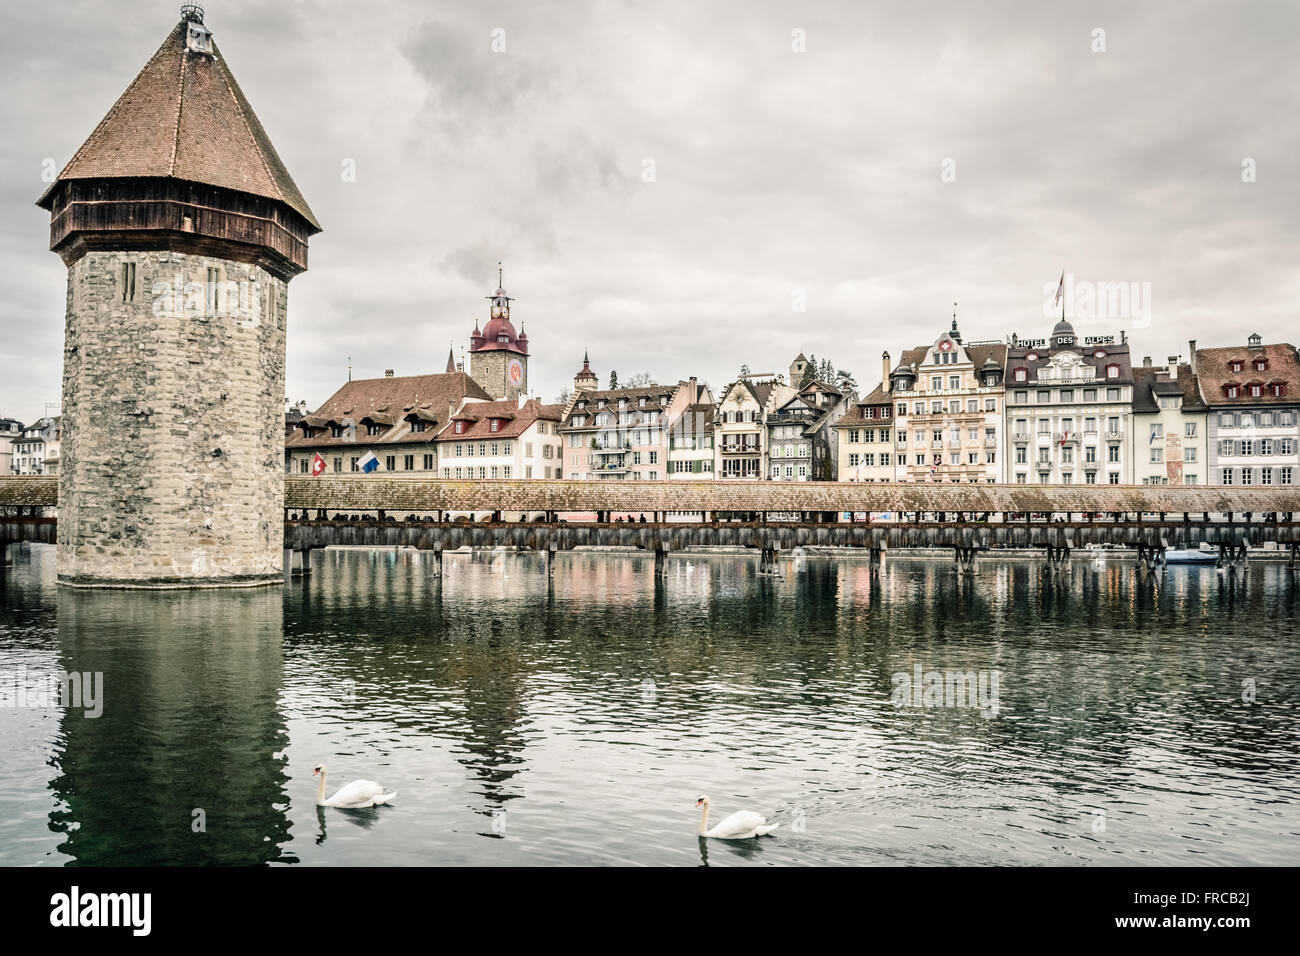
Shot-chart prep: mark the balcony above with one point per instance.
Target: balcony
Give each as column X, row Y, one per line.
column 1067, row 437
column 1020, row 437
column 990, row 441
column 954, row 442
column 1114, row 435
column 740, row 448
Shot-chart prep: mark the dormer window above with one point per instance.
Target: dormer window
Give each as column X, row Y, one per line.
column 1235, row 366
column 641, row 401
column 1230, row 391
column 336, row 431
column 1278, row 389
column 198, row 38
column 373, row 429
column 1021, row 375
column 1112, row 371
column 582, row 404
column 1261, row 365
column 1256, row 391
column 504, row 339
column 460, row 428
column 417, row 426
column 494, row 425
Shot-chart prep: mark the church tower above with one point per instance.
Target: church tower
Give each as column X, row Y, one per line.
column 498, row 358
column 180, row 228
column 585, row 380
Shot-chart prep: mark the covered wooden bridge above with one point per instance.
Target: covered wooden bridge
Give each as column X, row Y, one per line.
column 660, row 516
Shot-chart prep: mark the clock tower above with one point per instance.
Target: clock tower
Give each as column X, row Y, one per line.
column 498, row 358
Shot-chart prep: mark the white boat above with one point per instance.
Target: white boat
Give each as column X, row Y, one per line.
column 1190, row 556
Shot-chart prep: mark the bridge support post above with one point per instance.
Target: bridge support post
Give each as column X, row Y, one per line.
column 661, row 562
column 876, row 555
column 550, row 563
column 767, row 561
column 5, row 560
column 437, row 561
column 964, row 559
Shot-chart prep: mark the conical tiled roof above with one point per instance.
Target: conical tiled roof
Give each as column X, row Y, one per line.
column 184, row 117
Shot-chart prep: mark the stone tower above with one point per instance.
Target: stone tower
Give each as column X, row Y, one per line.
column 585, row 380
column 498, row 358
column 797, row 369
column 181, row 229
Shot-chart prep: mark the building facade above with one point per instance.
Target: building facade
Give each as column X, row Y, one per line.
column 513, row 438
column 1253, row 396
column 801, row 438
column 1168, row 438
column 740, row 426
column 1069, row 409
column 34, row 446
column 865, row 435
column 622, row 433
column 948, row 411
column 397, row 418
column 10, row 430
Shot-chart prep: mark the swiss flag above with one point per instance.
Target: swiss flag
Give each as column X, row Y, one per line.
column 317, row 466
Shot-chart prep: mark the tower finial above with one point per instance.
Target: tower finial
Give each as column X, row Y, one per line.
column 500, row 281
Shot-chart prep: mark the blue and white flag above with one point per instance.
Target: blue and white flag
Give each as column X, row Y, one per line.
column 369, row 462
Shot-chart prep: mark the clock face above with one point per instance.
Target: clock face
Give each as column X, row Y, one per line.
column 515, row 372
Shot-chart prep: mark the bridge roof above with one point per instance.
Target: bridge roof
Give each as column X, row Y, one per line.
column 414, row 494
column 405, row 494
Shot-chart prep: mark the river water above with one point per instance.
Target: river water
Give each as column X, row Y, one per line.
column 576, row 720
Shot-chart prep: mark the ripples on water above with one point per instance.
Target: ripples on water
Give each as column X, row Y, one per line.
column 577, row 721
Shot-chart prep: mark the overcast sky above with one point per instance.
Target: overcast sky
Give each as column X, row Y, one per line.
column 908, row 156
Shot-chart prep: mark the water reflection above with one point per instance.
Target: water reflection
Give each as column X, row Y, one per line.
column 527, row 717
column 180, row 767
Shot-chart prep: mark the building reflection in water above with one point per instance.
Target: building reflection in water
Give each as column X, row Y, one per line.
column 183, row 765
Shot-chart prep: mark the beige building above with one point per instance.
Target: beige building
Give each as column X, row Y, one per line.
column 948, row 411
column 1169, row 444
column 740, row 426
column 865, row 436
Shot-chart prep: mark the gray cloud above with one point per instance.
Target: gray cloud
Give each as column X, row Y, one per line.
column 776, row 171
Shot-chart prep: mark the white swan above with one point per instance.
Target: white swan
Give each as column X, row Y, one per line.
column 741, row 825
column 357, row 794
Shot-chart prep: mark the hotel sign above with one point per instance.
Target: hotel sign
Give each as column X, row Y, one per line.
column 1099, row 340
column 1030, row 343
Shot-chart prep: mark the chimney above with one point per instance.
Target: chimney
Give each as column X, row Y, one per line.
column 388, row 373
column 695, row 391
column 1123, row 336
column 1173, row 366
column 884, row 372
column 1191, row 349
column 1146, row 361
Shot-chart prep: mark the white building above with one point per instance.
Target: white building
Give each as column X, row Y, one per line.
column 1168, row 440
column 1069, row 409
column 1253, row 394
column 512, row 438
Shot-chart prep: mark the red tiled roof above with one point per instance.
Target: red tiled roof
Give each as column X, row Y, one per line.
column 512, row 419
column 184, row 117
column 430, row 398
column 1214, row 373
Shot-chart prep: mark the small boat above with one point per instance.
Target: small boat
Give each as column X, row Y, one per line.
column 1190, row 556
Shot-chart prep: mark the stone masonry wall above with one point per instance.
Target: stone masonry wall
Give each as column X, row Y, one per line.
column 173, row 411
